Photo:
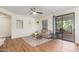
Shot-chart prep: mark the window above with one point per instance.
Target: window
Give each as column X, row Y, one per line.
column 19, row 23
column 45, row 24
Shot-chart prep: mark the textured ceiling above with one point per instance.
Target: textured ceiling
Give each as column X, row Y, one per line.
column 24, row 10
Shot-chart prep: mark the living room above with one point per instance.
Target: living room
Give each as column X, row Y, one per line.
column 33, row 28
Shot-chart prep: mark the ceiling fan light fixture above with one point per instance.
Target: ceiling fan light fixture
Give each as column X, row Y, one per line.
column 34, row 13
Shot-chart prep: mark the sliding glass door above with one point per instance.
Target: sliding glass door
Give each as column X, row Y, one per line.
column 68, row 26
column 59, row 26
column 65, row 27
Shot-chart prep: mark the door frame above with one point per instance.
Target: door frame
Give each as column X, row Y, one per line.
column 73, row 30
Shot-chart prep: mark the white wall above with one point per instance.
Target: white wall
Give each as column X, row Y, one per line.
column 29, row 27
column 5, row 28
column 9, row 14
column 77, row 25
column 65, row 12
column 49, row 18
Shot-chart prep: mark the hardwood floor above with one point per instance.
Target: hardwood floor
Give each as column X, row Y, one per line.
column 19, row 45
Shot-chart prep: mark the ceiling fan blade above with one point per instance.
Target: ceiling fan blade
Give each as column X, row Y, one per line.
column 28, row 12
column 31, row 9
column 39, row 12
column 34, row 11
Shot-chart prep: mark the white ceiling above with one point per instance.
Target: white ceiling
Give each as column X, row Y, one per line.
column 23, row 10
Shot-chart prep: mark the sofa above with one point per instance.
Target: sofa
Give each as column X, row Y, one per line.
column 42, row 34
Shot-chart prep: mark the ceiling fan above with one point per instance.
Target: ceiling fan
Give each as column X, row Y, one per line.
column 34, row 11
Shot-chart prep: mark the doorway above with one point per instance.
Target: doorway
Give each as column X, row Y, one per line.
column 5, row 25
column 65, row 27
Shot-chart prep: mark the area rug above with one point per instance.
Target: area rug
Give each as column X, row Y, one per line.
column 35, row 42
